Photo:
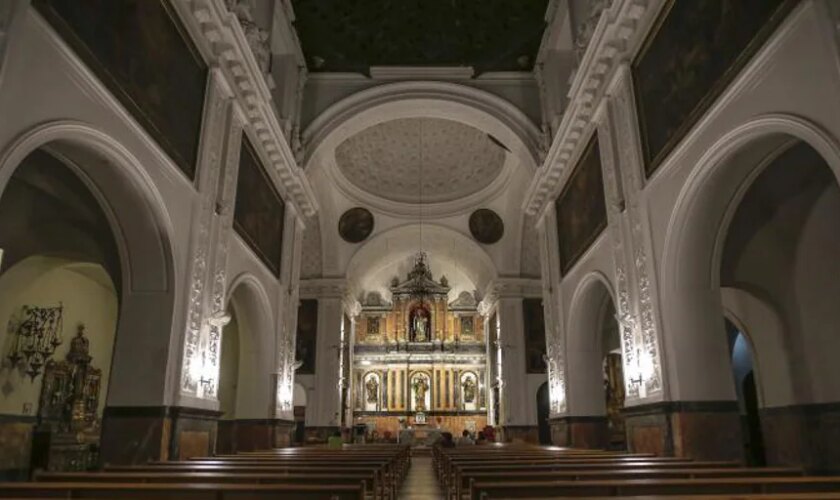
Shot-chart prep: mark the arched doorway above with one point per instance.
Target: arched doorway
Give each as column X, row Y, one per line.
column 756, row 235
column 245, row 375
column 743, row 373
column 69, row 268
column 543, row 411
column 594, row 377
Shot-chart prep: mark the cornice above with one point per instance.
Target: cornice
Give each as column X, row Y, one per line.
column 323, row 288
column 225, row 40
column 619, row 32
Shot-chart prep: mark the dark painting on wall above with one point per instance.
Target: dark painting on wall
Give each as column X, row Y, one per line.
column 532, row 314
column 486, row 226
column 355, row 225
column 581, row 208
column 142, row 53
column 260, row 210
column 694, row 51
column 307, row 333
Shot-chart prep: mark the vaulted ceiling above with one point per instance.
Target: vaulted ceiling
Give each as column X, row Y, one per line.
column 411, row 160
column 353, row 35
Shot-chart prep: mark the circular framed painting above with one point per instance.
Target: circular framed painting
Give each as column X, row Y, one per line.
column 486, row 226
column 355, row 225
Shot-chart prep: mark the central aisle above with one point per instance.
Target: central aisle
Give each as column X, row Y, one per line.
column 421, row 483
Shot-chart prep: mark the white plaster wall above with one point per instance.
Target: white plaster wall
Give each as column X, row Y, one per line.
column 42, row 81
column 88, row 296
column 774, row 82
column 795, row 74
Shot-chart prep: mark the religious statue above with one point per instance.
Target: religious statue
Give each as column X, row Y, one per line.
column 372, row 388
column 420, row 388
column 70, row 392
column 469, row 389
column 420, row 325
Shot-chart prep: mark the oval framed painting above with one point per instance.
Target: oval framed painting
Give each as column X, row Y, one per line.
column 486, row 226
column 355, row 225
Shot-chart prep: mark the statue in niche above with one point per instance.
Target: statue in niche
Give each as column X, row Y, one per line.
column 420, row 325
column 373, row 326
column 467, row 326
column 469, row 387
column 420, row 387
column 372, row 388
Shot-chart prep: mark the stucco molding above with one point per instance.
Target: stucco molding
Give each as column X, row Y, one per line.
column 224, row 38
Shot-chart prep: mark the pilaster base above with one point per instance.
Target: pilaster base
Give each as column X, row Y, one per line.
column 521, row 433
column 589, row 433
column 253, row 434
column 137, row 434
column 704, row 430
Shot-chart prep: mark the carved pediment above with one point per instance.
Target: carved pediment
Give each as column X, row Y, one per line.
column 465, row 301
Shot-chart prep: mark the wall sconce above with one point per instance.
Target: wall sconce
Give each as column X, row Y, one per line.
column 36, row 338
column 220, row 319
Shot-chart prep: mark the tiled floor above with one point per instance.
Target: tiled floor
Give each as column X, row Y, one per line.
column 421, row 483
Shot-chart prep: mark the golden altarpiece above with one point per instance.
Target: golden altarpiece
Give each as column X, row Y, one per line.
column 67, row 436
column 419, row 360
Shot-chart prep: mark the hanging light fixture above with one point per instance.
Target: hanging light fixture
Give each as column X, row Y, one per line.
column 420, row 274
column 36, row 338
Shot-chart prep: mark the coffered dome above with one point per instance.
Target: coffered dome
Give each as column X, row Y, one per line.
column 390, row 159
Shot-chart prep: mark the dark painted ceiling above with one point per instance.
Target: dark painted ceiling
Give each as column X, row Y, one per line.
column 352, row 35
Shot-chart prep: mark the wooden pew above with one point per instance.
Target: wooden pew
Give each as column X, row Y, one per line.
column 460, row 480
column 612, row 488
column 340, row 477
column 170, row 491
column 383, row 486
column 393, row 473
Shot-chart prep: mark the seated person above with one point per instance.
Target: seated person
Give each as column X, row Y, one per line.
column 335, row 441
column 465, row 439
column 481, row 439
column 446, row 440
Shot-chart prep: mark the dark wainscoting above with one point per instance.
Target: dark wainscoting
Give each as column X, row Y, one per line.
column 524, row 433
column 703, row 430
column 15, row 446
column 137, row 434
column 589, row 432
column 143, row 54
column 253, row 434
column 803, row 435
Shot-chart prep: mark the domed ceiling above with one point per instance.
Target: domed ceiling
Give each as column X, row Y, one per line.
column 390, row 159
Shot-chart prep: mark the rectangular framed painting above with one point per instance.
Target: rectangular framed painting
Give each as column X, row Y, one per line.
column 532, row 315
column 581, row 207
column 694, row 51
column 147, row 60
column 260, row 211
column 307, row 333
